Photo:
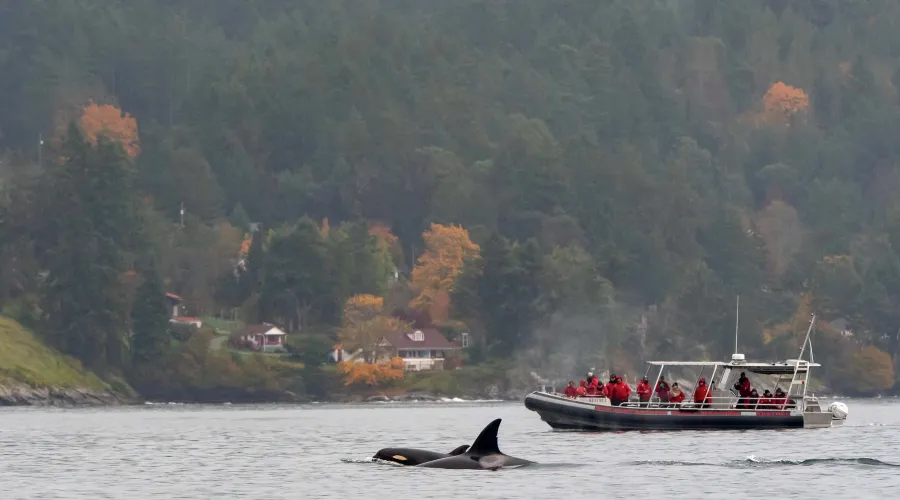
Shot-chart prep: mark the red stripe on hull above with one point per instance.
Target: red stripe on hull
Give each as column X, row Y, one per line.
column 677, row 411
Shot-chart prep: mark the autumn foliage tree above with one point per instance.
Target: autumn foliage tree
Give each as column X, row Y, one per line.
column 870, row 370
column 365, row 325
column 447, row 248
column 387, row 240
column 108, row 120
column 782, row 101
column 371, row 374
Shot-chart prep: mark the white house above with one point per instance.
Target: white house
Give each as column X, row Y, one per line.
column 263, row 337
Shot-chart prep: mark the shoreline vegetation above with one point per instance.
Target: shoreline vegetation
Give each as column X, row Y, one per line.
column 551, row 185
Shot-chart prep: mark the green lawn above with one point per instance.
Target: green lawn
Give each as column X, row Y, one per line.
column 222, row 326
column 24, row 358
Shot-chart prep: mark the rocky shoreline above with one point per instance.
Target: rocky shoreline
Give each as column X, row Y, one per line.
column 24, row 395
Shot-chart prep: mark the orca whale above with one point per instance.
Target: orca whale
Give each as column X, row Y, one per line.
column 413, row 456
column 483, row 454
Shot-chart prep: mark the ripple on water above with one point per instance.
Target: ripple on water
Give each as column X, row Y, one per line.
column 324, row 451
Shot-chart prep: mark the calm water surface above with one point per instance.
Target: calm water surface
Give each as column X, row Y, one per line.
column 317, row 451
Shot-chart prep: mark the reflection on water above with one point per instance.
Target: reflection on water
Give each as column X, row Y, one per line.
column 323, row 451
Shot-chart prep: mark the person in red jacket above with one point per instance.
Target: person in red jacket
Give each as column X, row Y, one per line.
column 593, row 380
column 608, row 388
column 620, row 392
column 766, row 401
column 753, row 400
column 644, row 391
column 662, row 390
column 677, row 395
column 591, row 389
column 780, row 399
column 743, row 388
column 582, row 389
column 701, row 394
column 570, row 390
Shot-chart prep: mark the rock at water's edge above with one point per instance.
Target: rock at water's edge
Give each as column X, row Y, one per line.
column 24, row 395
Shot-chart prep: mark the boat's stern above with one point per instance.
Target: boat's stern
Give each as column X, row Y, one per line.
column 835, row 414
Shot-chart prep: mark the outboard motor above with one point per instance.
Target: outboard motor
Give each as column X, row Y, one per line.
column 839, row 411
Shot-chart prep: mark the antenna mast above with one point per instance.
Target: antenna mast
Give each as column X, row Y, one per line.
column 812, row 322
column 737, row 322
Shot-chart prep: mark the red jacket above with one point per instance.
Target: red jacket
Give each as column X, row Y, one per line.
column 701, row 394
column 676, row 398
column 744, row 388
column 570, row 391
column 643, row 389
column 621, row 391
column 581, row 391
column 608, row 390
column 662, row 388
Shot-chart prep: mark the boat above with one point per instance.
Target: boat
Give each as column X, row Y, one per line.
column 723, row 410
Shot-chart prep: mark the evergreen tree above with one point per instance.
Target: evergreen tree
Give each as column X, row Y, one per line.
column 82, row 291
column 297, row 288
column 149, row 320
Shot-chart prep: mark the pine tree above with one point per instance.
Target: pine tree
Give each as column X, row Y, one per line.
column 149, row 318
column 82, row 292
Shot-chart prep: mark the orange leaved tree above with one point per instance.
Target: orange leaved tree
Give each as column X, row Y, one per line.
column 447, row 248
column 371, row 374
column 365, row 325
column 782, row 101
column 108, row 120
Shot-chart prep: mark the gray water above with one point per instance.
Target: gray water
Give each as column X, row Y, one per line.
column 320, row 451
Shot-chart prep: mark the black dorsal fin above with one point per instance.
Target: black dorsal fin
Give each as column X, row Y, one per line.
column 459, row 450
column 486, row 442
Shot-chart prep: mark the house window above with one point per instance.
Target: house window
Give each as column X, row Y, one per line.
column 465, row 339
column 418, row 336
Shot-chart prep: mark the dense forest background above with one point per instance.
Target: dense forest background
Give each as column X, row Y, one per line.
column 620, row 172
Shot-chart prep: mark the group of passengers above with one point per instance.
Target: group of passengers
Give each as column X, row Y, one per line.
column 618, row 392
column 750, row 398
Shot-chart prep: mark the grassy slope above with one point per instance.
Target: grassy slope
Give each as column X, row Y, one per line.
column 24, row 358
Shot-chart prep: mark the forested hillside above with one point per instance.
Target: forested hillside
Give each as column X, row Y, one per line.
column 596, row 181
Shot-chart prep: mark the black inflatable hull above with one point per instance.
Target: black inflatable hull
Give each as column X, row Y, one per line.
column 569, row 414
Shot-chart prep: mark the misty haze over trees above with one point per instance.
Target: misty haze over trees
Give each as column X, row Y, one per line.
column 575, row 183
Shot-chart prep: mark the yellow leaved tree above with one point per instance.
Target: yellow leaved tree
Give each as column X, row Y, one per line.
column 871, row 370
column 365, row 325
column 108, row 120
column 371, row 374
column 447, row 248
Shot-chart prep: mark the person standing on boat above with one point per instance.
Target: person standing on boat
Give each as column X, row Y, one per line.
column 643, row 390
column 608, row 388
column 662, row 390
column 743, row 387
column 570, row 390
column 593, row 380
column 701, row 394
column 677, row 395
column 620, row 392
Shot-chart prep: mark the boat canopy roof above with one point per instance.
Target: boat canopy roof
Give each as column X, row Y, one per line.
column 762, row 368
